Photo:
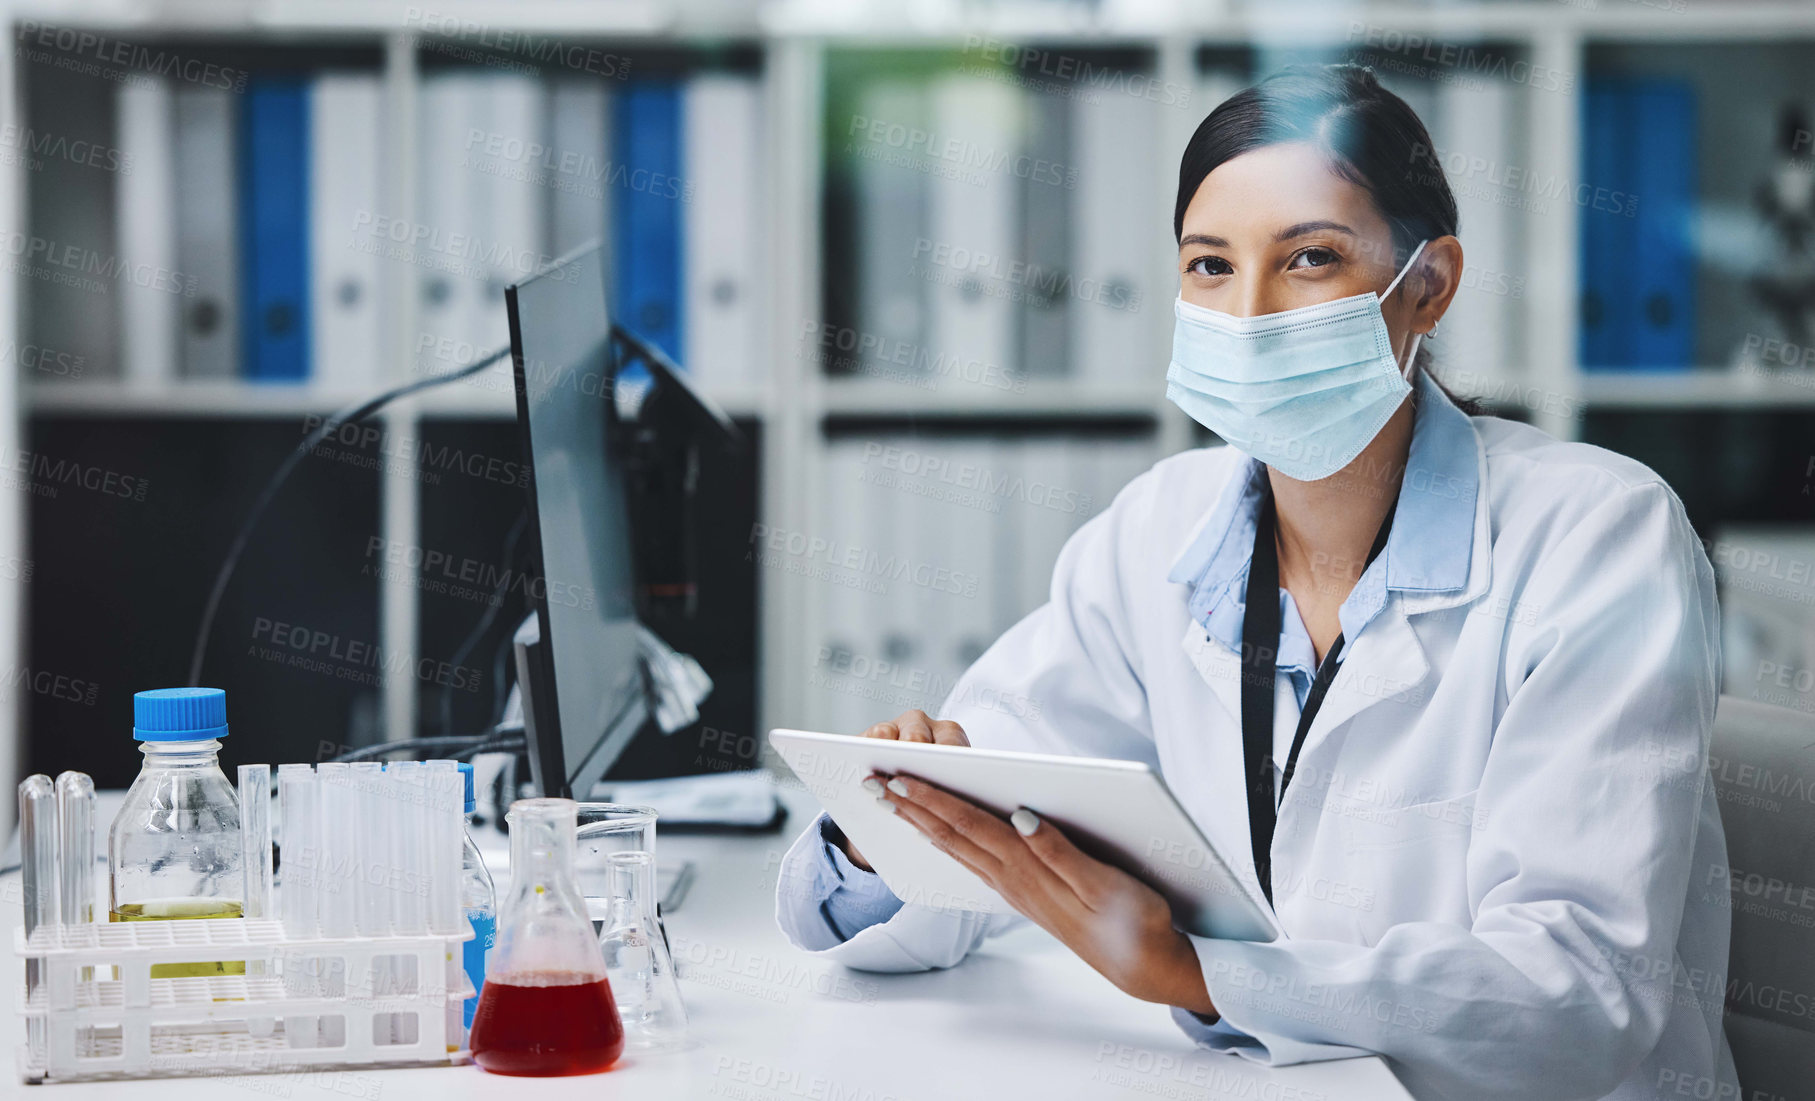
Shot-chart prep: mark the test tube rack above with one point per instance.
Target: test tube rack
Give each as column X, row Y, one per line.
column 81, row 1027
column 364, row 969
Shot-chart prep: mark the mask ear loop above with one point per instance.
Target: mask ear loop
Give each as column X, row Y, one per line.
column 1412, row 359
column 1409, row 261
column 1405, row 369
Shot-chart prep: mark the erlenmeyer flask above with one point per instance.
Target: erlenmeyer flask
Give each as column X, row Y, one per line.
column 637, row 959
column 546, row 1008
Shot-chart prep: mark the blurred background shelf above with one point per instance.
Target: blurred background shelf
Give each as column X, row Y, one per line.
column 931, row 244
column 197, row 398
column 1239, row 22
column 486, row 396
column 1701, row 389
column 222, row 17
column 1022, row 398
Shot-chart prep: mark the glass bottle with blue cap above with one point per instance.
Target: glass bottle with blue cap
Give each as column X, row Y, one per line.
column 174, row 850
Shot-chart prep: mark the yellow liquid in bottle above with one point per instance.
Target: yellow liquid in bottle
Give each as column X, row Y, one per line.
column 185, row 909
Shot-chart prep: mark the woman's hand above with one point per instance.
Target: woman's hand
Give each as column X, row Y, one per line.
column 912, row 726
column 1113, row 921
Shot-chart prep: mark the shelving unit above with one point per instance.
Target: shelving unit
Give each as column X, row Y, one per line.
column 1700, row 389
column 489, row 397
column 796, row 399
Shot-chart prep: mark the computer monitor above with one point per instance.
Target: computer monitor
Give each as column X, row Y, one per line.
column 584, row 691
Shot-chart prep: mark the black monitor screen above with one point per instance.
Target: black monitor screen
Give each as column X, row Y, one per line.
column 560, row 342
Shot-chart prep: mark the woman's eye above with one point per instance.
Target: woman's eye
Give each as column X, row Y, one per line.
column 1315, row 258
column 1209, row 265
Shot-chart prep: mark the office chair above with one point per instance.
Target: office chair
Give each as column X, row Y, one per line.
column 1763, row 763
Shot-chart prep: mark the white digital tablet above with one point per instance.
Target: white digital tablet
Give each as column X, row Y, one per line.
column 1117, row 811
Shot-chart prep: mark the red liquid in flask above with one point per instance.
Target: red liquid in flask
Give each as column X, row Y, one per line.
column 546, row 1023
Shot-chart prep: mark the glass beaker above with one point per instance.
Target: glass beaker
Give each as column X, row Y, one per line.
column 546, row 1008
column 603, row 829
column 637, row 959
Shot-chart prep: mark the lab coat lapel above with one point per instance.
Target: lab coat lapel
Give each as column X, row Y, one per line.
column 1222, row 782
column 1221, row 669
column 1387, row 662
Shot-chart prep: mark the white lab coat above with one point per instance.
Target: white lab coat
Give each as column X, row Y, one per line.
column 1500, row 863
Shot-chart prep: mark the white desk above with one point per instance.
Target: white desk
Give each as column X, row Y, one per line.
column 1023, row 1018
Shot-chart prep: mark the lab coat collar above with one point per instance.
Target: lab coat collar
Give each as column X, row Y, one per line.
column 1435, row 556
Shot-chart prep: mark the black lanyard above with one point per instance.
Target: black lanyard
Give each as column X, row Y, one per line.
column 1260, row 648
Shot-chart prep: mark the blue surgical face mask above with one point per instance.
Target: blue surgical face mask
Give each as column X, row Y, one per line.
column 1302, row 391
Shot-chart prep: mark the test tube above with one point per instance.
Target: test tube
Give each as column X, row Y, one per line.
column 409, row 908
column 442, row 828
column 38, row 875
column 338, row 850
column 407, row 884
column 255, row 838
column 76, row 855
column 298, row 798
column 339, row 858
column 296, row 804
column 444, row 799
column 372, row 910
column 38, row 850
column 76, row 840
column 255, row 865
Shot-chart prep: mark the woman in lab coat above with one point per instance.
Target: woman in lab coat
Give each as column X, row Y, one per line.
column 1491, row 842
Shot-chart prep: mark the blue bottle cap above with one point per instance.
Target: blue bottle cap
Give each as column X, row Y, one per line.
column 179, row 714
column 466, row 775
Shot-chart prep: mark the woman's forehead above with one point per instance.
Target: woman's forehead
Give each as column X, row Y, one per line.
column 1275, row 187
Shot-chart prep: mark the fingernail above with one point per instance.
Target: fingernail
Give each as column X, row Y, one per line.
column 897, row 786
column 1025, row 822
column 886, row 805
column 873, row 786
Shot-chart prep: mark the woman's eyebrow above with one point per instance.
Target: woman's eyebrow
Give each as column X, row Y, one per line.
column 1285, row 234
column 1303, row 228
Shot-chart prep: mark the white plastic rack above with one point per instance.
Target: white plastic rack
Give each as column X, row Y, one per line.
column 317, row 1003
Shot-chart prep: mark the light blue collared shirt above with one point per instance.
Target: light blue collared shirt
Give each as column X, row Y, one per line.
column 1428, row 550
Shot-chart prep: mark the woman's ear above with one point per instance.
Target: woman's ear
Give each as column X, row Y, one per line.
column 1434, row 282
